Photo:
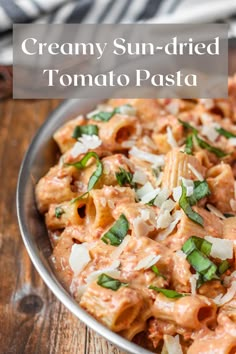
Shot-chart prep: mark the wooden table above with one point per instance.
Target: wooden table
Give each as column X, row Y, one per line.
column 32, row 320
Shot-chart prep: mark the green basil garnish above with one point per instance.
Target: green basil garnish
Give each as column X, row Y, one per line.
column 89, row 129
column 106, row 116
column 186, row 206
column 96, row 174
column 171, row 294
column 58, row 212
column 195, row 242
column 157, row 272
column 201, row 190
column 223, row 266
column 189, row 145
column 204, row 145
column 188, row 126
column 109, row 283
column 225, row 133
column 124, row 177
column 117, row 232
column 203, row 265
column 228, row 215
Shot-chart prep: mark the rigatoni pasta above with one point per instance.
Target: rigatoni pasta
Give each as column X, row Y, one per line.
column 140, row 210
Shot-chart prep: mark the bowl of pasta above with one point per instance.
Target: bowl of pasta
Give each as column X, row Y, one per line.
column 128, row 211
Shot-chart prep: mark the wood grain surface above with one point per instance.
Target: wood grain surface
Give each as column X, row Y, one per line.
column 32, row 320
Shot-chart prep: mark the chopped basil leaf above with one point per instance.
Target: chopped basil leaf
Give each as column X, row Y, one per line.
column 124, row 177
column 89, row 129
column 117, row 232
column 189, row 145
column 188, row 126
column 201, row 190
column 195, row 242
column 227, row 215
column 204, row 145
column 106, row 116
column 110, row 283
column 203, row 265
column 157, row 272
column 96, row 174
column 225, row 133
column 185, row 205
column 58, row 212
column 172, row 294
column 103, row 116
column 223, row 267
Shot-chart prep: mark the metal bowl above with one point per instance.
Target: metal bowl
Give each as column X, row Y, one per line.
column 40, row 156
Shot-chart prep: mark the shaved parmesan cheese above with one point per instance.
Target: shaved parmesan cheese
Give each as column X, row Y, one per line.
column 145, row 214
column 173, row 107
column 232, row 141
column 139, row 177
column 147, row 193
column 177, row 192
column 79, row 258
column 111, row 271
column 101, row 108
column 170, row 138
column 159, row 179
column 157, row 160
column 147, row 262
column 196, row 172
column 193, row 282
column 207, row 102
column 84, row 143
column 149, row 142
column 164, row 219
column 206, row 118
column 232, row 203
column 168, row 205
column 127, row 109
column 223, row 299
column 228, row 279
column 172, row 344
column 128, row 144
column 147, row 188
column 210, row 132
column 221, row 248
column 215, row 211
column 176, row 218
column 189, row 185
column 162, row 196
column 118, row 251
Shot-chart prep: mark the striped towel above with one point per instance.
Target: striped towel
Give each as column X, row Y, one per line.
column 109, row 11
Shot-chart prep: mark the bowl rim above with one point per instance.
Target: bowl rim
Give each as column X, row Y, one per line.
column 50, row 280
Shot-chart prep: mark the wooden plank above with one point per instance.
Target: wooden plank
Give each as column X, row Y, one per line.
column 32, row 320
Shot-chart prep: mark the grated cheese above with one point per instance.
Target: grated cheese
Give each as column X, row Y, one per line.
column 189, row 185
column 147, row 262
column 176, row 218
column 162, row 196
column 221, row 248
column 177, row 192
column 157, row 160
column 101, row 108
column 172, row 344
column 139, row 177
column 84, row 143
column 164, row 219
column 196, row 172
column 173, row 107
column 208, row 103
column 232, row 141
column 223, row 299
column 171, row 139
column 168, row 205
column 111, row 271
column 147, row 193
column 141, row 227
column 181, row 254
column 79, row 258
column 193, row 283
column 118, row 251
column 149, row 142
column 210, row 132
